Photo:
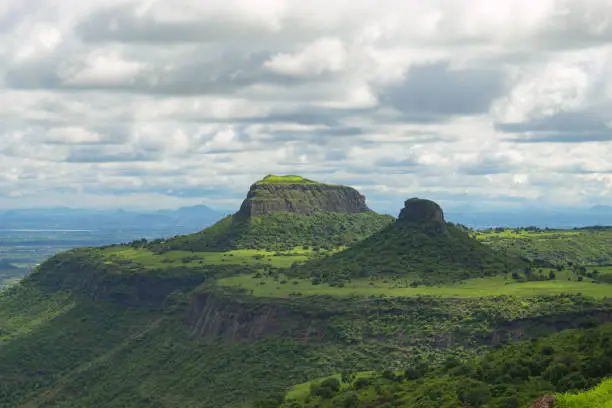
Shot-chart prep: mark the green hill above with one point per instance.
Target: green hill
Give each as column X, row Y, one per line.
column 284, row 212
column 421, row 245
column 152, row 324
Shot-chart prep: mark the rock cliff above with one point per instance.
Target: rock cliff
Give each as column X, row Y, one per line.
column 300, row 197
column 422, row 212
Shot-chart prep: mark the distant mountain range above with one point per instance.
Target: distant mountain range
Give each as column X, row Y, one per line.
column 564, row 218
column 196, row 218
column 184, row 219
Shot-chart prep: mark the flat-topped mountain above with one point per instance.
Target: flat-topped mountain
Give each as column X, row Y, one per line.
column 297, row 195
column 284, row 212
column 420, row 245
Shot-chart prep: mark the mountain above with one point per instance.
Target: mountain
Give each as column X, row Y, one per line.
column 285, row 212
column 564, row 218
column 141, row 325
column 297, row 195
column 163, row 222
column 419, row 245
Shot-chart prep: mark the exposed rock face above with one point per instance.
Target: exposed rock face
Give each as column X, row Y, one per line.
column 423, row 213
column 264, row 199
column 547, row 401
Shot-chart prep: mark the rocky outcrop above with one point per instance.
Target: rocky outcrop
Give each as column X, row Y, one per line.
column 265, row 199
column 547, row 401
column 213, row 316
column 422, row 212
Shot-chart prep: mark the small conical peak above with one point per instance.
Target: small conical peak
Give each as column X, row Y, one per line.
column 422, row 212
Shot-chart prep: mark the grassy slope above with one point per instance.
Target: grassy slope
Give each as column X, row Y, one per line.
column 252, row 257
column 599, row 397
column 280, row 232
column 421, row 255
column 478, row 287
column 24, row 308
column 584, row 246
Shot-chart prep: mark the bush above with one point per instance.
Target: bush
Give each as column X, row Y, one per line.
column 361, row 383
column 473, row 393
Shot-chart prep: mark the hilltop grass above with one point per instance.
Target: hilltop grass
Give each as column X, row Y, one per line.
column 471, row 288
column 251, row 257
column 289, row 179
column 599, row 397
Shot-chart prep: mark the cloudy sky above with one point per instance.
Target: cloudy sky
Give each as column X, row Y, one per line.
column 127, row 103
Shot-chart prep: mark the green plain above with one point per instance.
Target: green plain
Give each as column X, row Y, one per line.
column 472, row 288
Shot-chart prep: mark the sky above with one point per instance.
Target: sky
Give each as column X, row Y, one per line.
column 159, row 104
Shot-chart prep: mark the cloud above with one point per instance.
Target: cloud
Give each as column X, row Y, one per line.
column 435, row 91
column 567, row 127
column 326, row 55
column 151, row 103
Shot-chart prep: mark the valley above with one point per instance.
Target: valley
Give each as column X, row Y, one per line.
column 28, row 237
column 307, row 298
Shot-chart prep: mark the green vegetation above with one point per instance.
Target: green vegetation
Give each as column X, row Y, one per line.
column 599, row 397
column 422, row 255
column 289, row 179
column 144, row 257
column 25, row 308
column 280, row 285
column 557, row 247
column 127, row 339
column 279, row 232
column 307, row 286
column 511, row 377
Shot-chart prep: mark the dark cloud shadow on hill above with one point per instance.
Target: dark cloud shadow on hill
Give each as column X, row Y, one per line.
column 564, row 127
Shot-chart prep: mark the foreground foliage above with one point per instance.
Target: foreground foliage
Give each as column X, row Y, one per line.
column 599, row 397
column 508, row 378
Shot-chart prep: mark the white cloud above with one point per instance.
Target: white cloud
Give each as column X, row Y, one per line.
column 326, row 55
column 99, row 68
column 506, row 100
column 72, row 135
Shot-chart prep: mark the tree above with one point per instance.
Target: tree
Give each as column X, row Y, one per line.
column 347, row 377
column 552, row 275
column 572, row 381
column 473, row 393
column 509, row 402
column 327, row 388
